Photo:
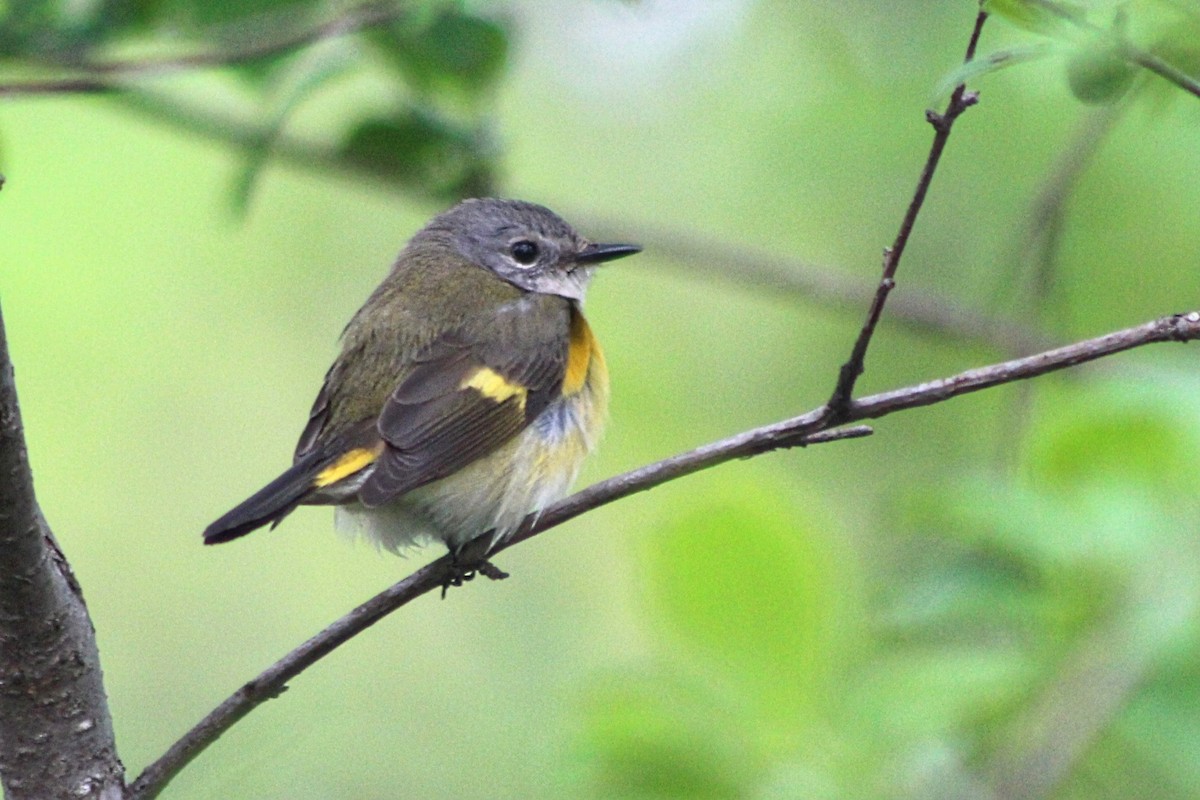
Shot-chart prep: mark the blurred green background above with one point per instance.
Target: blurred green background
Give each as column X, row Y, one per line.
column 992, row 597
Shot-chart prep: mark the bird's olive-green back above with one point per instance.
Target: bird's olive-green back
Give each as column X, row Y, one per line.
column 431, row 293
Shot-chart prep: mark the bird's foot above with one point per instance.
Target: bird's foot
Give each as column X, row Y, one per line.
column 463, row 568
column 490, row 571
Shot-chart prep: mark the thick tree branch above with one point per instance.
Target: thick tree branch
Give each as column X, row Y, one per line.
column 960, row 101
column 56, row 736
column 810, row 428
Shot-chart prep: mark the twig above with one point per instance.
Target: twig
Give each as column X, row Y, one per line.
column 56, row 735
column 102, row 76
column 810, row 428
column 1160, row 68
column 960, row 101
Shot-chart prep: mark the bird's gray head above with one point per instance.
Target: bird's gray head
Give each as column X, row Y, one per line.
column 527, row 245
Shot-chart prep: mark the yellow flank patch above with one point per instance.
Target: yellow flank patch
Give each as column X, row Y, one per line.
column 494, row 386
column 581, row 349
column 349, row 463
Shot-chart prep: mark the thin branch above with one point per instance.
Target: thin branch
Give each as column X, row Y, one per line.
column 272, row 681
column 56, row 735
column 1160, row 68
column 104, row 76
column 960, row 101
column 811, row 428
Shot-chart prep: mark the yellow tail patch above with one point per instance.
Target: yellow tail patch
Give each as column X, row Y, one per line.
column 494, row 386
column 349, row 463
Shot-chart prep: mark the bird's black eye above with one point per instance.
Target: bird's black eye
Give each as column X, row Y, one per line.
column 524, row 252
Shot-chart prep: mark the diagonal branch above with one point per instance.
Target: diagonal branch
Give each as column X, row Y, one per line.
column 56, row 735
column 810, row 428
column 960, row 101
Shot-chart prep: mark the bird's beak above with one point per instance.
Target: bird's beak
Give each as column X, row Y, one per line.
column 599, row 253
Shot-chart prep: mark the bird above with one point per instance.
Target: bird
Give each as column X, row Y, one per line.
column 468, row 390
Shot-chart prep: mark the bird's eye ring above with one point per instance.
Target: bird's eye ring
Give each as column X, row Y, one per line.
column 524, row 252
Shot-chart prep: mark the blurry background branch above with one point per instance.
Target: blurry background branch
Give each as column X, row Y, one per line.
column 262, row 38
column 406, row 149
column 697, row 256
column 921, row 311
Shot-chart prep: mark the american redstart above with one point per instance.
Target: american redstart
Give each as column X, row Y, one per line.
column 468, row 390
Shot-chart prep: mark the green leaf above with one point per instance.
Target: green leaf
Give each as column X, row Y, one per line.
column 1098, row 73
column 996, row 558
column 751, row 584
column 282, row 28
column 53, row 30
column 454, row 51
column 235, row 14
column 1119, row 434
column 419, row 150
column 653, row 736
column 1046, row 17
column 993, row 62
column 922, row 691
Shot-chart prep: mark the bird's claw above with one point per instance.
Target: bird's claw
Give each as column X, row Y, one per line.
column 461, row 572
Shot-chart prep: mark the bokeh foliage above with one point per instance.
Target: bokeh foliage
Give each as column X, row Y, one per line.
column 992, row 597
column 440, row 61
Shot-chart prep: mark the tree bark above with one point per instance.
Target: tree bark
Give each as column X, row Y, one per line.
column 56, row 735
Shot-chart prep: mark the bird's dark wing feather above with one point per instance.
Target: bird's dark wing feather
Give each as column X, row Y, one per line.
column 467, row 395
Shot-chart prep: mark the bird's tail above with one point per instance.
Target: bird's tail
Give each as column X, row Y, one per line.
column 273, row 502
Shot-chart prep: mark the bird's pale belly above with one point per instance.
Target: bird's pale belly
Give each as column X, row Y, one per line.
column 499, row 490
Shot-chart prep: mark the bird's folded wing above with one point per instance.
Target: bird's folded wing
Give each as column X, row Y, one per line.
column 466, row 396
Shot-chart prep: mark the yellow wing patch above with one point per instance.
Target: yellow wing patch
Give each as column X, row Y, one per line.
column 494, row 386
column 349, row 463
